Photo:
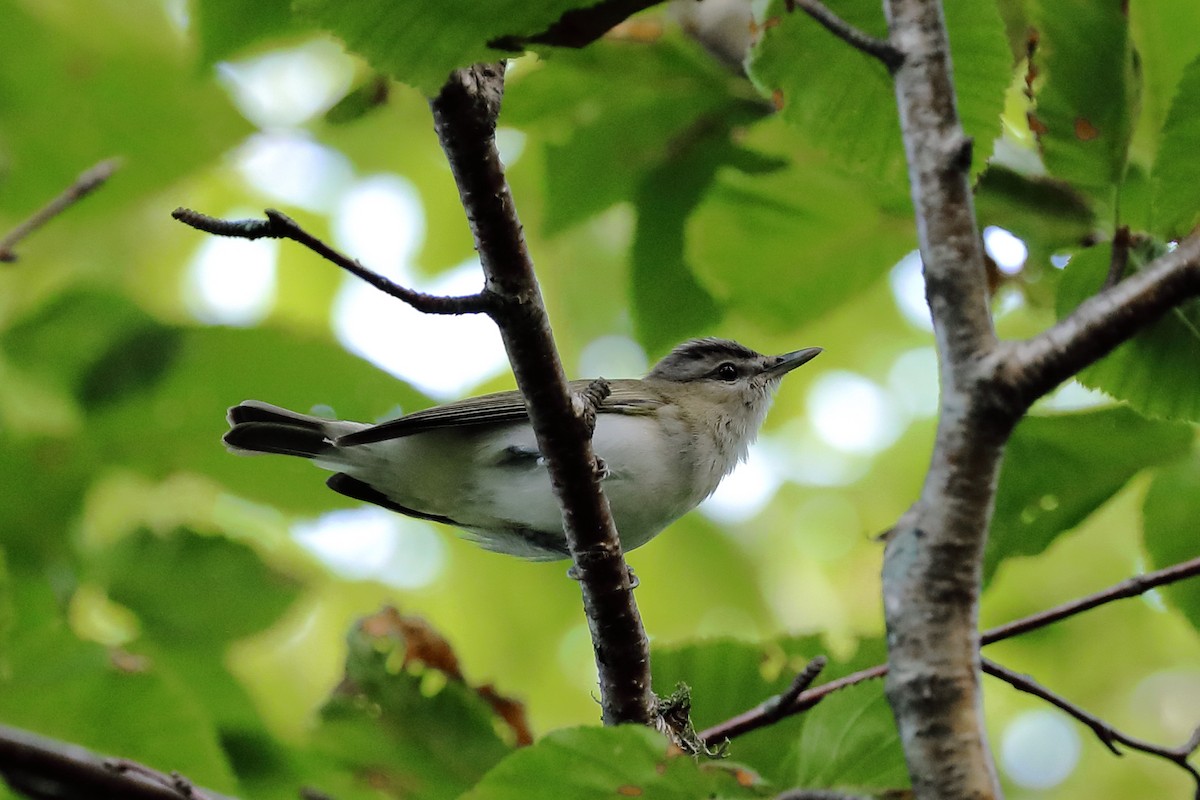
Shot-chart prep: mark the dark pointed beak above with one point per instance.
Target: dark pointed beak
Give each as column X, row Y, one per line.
column 781, row 365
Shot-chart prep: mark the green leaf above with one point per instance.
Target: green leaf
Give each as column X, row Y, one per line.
column 1164, row 36
column 609, row 114
column 420, row 43
column 119, row 73
column 1155, row 371
column 1059, row 469
column 1044, row 214
column 850, row 740
column 1169, row 516
column 727, row 677
column 404, row 718
column 96, row 345
column 787, row 246
column 225, row 27
column 625, row 761
column 168, row 582
column 1176, row 175
column 77, row 691
column 669, row 304
column 844, row 102
column 1087, row 100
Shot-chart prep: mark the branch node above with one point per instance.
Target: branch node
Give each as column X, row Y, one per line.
column 587, row 403
column 278, row 225
column 880, row 49
column 780, row 705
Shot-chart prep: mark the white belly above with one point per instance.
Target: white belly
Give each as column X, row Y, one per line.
column 494, row 481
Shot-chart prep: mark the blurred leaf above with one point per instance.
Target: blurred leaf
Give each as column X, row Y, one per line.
column 119, row 73
column 626, row 761
column 1047, row 216
column 46, row 482
column 110, row 702
column 1164, row 35
column 1059, row 469
column 1176, row 176
column 610, row 113
column 96, row 345
column 1170, row 511
column 843, row 100
column 360, row 101
column 787, row 246
column 404, row 721
column 225, row 27
column 420, row 43
column 168, row 582
column 669, row 305
column 179, row 426
column 1087, row 101
column 727, row 677
column 1155, row 371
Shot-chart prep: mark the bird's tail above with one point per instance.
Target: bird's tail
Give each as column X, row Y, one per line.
column 257, row 427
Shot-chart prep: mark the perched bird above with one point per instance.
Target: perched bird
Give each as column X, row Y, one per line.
column 666, row 441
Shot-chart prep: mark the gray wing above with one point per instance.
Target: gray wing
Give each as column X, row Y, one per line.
column 494, row 409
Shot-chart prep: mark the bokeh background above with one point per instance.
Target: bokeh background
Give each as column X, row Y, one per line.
column 662, row 198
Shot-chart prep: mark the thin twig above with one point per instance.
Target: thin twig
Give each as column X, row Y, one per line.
column 757, row 717
column 42, row 767
column 881, row 49
column 464, row 114
column 1104, row 731
column 278, row 225
column 1132, row 587
column 820, row 794
column 777, row 706
column 88, row 182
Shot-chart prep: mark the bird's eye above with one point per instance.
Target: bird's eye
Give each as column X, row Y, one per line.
column 726, row 372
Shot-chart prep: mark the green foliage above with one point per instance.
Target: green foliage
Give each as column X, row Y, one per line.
column 1168, row 528
column 1176, row 175
column 610, row 762
column 1086, row 107
column 1059, row 469
column 844, row 101
column 1153, row 372
column 420, row 47
column 403, row 720
column 152, row 604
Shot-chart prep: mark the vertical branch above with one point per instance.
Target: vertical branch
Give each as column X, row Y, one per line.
column 931, row 574
column 464, row 116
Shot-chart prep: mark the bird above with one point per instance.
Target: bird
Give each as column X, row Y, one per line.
column 665, row 441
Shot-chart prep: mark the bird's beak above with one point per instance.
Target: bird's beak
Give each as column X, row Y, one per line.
column 781, row 365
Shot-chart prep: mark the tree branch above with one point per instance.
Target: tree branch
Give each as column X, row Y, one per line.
column 464, row 116
column 767, row 713
column 1104, row 731
column 1032, row 368
column 88, row 182
column 1139, row 584
column 880, row 49
column 278, row 225
column 40, row 767
column 931, row 572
